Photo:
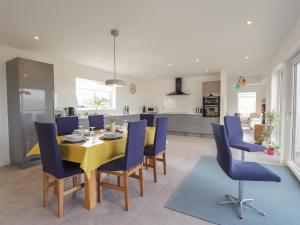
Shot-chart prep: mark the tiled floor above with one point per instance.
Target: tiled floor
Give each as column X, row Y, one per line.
column 21, row 193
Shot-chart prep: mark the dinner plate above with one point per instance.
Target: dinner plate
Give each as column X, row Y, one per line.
column 111, row 136
column 74, row 138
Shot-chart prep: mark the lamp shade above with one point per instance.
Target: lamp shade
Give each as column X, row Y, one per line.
column 115, row 83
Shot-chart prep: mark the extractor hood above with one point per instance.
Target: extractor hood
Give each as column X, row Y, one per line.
column 178, row 87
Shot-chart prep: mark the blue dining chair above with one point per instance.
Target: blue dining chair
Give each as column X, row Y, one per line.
column 128, row 165
column 54, row 167
column 239, row 170
column 96, row 121
column 66, row 125
column 153, row 152
column 149, row 117
column 235, row 136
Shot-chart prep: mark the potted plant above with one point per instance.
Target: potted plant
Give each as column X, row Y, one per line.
column 271, row 124
column 99, row 102
column 272, row 148
column 112, row 121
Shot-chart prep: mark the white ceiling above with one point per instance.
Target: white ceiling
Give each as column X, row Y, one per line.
column 153, row 33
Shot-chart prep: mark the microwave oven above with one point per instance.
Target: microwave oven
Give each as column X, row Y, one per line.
column 151, row 109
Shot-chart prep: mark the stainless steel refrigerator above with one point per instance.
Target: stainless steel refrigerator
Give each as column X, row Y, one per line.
column 30, row 98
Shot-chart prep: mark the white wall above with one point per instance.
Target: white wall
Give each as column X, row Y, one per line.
column 4, row 143
column 224, row 96
column 159, row 88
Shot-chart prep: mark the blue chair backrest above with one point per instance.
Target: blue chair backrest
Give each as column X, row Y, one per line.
column 96, row 121
column 66, row 125
column 149, row 118
column 50, row 152
column 224, row 156
column 134, row 153
column 161, row 134
column 233, row 128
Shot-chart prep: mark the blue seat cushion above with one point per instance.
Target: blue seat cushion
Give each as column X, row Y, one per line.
column 149, row 150
column 70, row 169
column 247, row 146
column 251, row 171
column 115, row 165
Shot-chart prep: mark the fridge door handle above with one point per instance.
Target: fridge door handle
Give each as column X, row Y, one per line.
column 23, row 92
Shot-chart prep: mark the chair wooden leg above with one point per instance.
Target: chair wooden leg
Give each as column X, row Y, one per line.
column 126, row 193
column 145, row 162
column 154, row 168
column 75, row 181
column 55, row 187
column 119, row 180
column 141, row 177
column 99, row 180
column 165, row 163
column 45, row 190
column 60, row 198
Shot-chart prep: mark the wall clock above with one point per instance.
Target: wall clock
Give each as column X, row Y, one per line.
column 132, row 88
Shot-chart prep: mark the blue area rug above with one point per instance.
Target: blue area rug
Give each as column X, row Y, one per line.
column 198, row 196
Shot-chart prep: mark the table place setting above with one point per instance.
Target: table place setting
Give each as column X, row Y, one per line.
column 110, row 136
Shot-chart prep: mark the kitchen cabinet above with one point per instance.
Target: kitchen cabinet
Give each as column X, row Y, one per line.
column 206, row 124
column 194, row 124
column 177, row 123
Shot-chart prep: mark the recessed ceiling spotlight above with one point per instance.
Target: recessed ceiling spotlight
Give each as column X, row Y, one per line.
column 152, row 76
column 36, row 37
column 206, row 70
column 170, row 64
column 249, row 22
column 133, row 70
column 98, row 58
column 246, row 57
column 197, row 60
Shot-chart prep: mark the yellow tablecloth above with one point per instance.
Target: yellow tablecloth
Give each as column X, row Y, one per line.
column 94, row 152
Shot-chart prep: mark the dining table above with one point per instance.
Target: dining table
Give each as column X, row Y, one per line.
column 91, row 154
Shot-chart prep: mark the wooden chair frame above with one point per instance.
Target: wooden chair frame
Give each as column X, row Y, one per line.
column 59, row 190
column 150, row 162
column 124, row 188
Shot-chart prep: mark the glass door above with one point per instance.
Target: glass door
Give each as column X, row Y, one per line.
column 277, row 105
column 296, row 116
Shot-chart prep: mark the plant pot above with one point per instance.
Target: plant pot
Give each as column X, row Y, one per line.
column 270, row 151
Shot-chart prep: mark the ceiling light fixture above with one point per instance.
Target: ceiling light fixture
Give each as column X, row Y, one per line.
column 249, row 22
column 98, row 58
column 36, row 38
column 197, row 60
column 246, row 57
column 206, row 70
column 152, row 76
column 170, row 64
column 115, row 82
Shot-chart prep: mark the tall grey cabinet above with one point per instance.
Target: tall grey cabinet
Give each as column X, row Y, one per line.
column 30, row 98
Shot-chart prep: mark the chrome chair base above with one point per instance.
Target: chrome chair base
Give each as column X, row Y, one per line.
column 241, row 203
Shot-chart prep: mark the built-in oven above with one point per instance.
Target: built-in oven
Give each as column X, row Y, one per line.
column 211, row 111
column 211, row 106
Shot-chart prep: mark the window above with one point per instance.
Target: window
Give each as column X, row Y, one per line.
column 246, row 103
column 93, row 95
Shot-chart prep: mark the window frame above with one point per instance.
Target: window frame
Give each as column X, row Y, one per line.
column 112, row 92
